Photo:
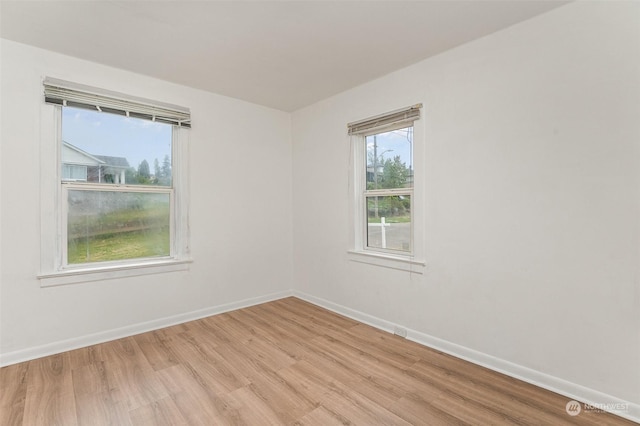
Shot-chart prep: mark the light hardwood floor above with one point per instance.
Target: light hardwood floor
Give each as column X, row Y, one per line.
column 283, row 362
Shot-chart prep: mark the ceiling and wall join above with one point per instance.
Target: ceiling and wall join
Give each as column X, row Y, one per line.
column 285, row 55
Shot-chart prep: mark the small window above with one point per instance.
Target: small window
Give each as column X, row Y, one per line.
column 386, row 205
column 74, row 172
column 389, row 189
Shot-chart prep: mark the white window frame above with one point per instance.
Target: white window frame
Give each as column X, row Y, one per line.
column 54, row 270
column 412, row 261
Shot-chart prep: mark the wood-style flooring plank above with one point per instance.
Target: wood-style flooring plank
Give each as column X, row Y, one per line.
column 13, row 385
column 322, row 417
column 193, row 397
column 156, row 347
column 163, row 412
column 94, row 403
column 392, row 348
column 485, row 394
column 285, row 362
column 282, row 396
column 198, row 356
column 82, row 357
column 347, row 402
column 249, row 408
column 50, row 398
column 131, row 378
column 418, row 411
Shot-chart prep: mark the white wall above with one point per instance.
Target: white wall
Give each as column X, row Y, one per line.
column 241, row 236
column 532, row 199
column 532, row 203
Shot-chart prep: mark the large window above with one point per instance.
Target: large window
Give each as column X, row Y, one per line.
column 120, row 200
column 385, row 206
column 122, row 208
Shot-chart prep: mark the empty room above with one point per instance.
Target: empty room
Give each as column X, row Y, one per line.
column 319, row 212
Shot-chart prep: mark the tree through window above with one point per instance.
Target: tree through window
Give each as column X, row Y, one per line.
column 389, row 189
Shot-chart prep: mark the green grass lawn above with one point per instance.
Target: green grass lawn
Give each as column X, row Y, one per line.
column 137, row 227
column 119, row 246
column 391, row 219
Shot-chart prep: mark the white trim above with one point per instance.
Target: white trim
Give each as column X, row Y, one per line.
column 377, row 258
column 99, row 272
column 181, row 232
column 131, row 330
column 113, row 187
column 537, row 378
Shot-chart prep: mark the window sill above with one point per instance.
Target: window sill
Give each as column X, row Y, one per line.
column 402, row 263
column 99, row 273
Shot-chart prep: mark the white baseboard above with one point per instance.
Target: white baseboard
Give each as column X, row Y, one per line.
column 571, row 390
column 131, row 330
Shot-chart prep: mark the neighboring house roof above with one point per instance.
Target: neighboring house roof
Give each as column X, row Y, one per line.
column 119, row 162
column 77, row 156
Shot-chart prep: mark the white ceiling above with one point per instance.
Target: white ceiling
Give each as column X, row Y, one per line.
column 284, row 55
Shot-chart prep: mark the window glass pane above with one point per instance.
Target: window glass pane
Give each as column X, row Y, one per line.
column 390, row 159
column 109, row 225
column 72, row 172
column 116, row 149
column 389, row 222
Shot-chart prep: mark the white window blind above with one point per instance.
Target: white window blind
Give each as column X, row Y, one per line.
column 66, row 93
column 381, row 122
